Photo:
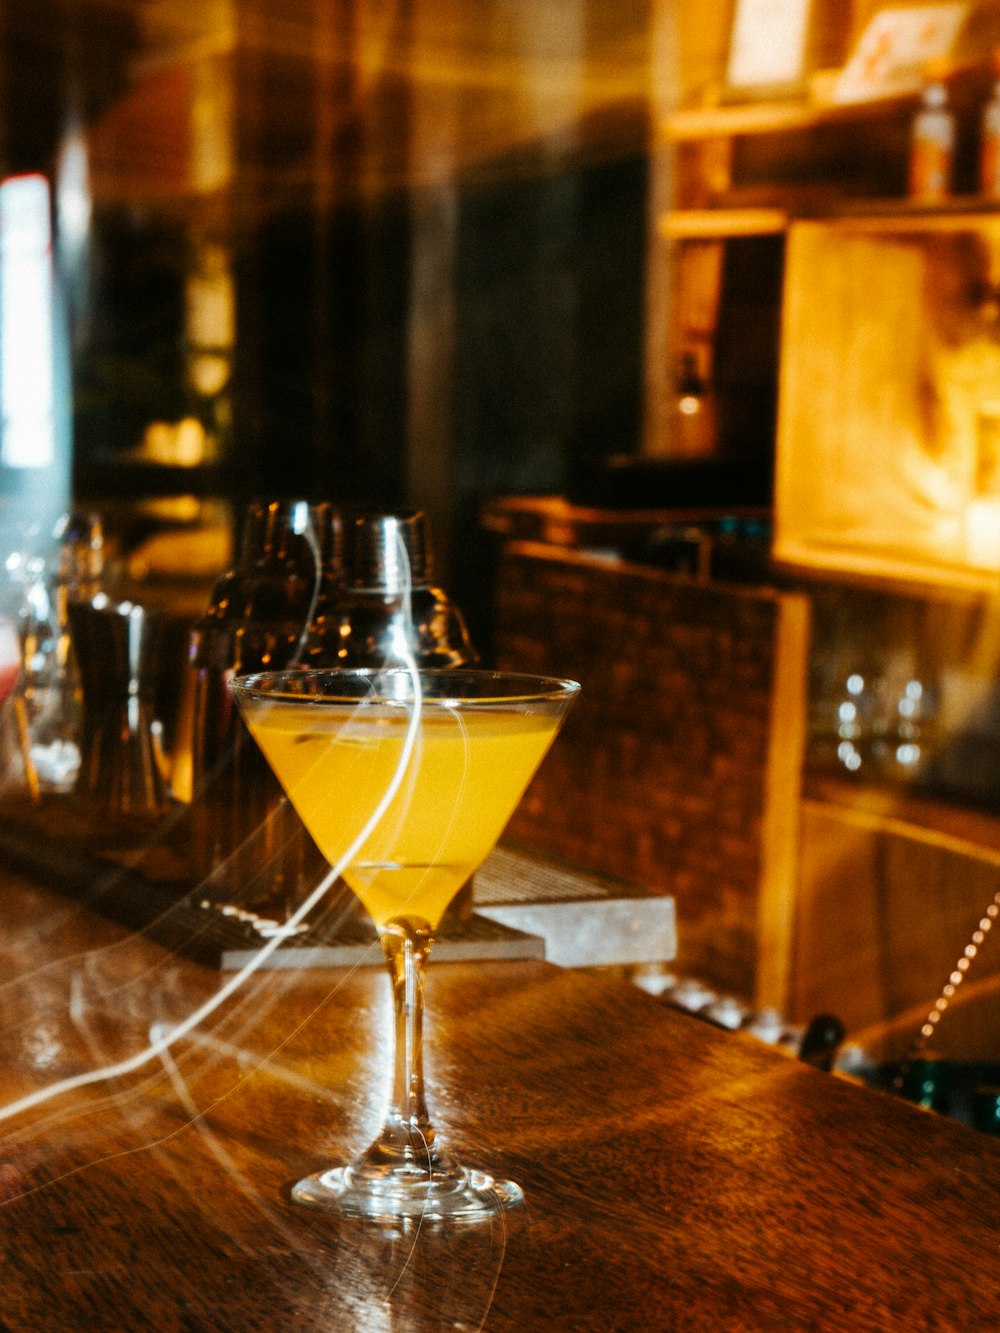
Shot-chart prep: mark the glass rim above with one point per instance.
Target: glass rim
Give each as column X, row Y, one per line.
column 525, row 687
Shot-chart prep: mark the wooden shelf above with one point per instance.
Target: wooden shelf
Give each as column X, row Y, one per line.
column 890, row 215
column 895, row 214
column 880, row 569
column 694, row 224
column 952, row 827
column 553, row 520
column 815, row 107
column 818, row 155
column 753, row 118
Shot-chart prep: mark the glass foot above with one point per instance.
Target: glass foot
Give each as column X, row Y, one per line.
column 458, row 1196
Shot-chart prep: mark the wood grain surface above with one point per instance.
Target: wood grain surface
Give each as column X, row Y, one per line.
column 678, row 1177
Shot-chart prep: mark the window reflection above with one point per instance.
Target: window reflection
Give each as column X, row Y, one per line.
column 27, row 325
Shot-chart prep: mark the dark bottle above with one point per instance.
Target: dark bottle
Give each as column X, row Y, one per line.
column 694, row 426
column 243, row 832
column 927, row 1082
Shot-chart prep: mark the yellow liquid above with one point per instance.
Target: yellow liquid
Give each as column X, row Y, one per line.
column 466, row 774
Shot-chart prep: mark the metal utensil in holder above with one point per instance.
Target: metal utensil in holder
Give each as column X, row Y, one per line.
column 115, row 645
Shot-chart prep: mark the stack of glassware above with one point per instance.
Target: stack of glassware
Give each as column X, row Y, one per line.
column 44, row 572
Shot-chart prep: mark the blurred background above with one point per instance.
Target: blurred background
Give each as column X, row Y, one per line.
column 388, row 252
column 647, row 308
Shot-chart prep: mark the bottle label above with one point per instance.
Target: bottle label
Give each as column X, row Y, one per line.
column 930, row 170
column 989, row 167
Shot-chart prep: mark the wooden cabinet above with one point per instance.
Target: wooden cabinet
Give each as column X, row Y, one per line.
column 731, row 178
column 740, row 175
column 892, row 875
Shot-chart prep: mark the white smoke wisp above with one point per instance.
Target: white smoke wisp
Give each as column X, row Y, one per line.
column 163, row 1036
column 105, row 1013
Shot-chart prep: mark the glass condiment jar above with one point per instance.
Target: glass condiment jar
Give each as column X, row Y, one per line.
column 49, row 573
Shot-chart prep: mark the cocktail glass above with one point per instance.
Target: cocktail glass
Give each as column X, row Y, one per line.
column 405, row 779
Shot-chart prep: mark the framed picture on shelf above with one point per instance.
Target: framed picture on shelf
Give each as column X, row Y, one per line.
column 768, row 48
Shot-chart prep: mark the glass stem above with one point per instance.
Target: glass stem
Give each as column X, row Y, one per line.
column 406, row 941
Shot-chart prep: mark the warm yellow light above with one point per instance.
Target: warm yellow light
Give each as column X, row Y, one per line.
column 982, row 533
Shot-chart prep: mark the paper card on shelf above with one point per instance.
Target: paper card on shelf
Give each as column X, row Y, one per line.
column 768, row 43
column 895, row 49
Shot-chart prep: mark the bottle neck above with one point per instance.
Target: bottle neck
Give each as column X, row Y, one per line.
column 934, row 97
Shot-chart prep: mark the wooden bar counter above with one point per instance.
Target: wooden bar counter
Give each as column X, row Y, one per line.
column 678, row 1177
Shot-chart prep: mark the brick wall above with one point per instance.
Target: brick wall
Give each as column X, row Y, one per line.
column 678, row 769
